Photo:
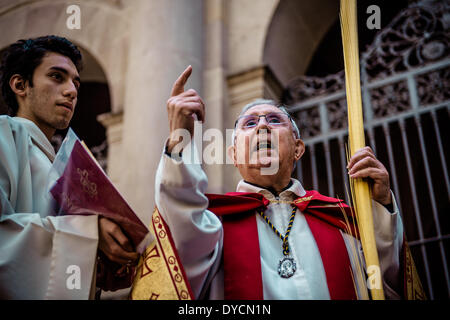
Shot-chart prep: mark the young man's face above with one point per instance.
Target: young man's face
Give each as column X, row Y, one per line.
column 51, row 101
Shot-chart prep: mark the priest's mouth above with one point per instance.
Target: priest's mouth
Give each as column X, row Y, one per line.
column 266, row 145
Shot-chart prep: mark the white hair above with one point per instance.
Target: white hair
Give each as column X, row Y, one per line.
column 259, row 102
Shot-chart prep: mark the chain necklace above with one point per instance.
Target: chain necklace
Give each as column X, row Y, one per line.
column 287, row 265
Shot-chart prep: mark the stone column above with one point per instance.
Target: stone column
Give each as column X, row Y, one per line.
column 215, row 90
column 166, row 37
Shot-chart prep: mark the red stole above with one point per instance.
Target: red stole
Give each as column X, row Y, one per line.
column 241, row 254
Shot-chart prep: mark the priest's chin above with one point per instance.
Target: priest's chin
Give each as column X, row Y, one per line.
column 267, row 165
column 268, row 168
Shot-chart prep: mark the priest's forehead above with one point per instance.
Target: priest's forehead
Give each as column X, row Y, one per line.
column 280, row 107
column 262, row 109
column 258, row 103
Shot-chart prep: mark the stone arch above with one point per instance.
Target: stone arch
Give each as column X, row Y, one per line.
column 295, row 31
column 247, row 27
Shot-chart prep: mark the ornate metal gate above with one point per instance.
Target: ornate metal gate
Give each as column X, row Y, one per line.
column 405, row 77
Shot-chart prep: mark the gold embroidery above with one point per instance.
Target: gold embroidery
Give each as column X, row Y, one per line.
column 303, row 199
column 158, row 274
column 67, row 201
column 282, row 201
column 414, row 289
column 89, row 187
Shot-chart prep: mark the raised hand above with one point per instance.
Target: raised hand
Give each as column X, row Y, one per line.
column 181, row 108
column 364, row 164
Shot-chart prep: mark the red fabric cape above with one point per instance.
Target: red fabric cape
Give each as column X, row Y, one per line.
column 241, row 255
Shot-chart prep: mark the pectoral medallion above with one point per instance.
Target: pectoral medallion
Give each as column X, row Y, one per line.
column 287, row 267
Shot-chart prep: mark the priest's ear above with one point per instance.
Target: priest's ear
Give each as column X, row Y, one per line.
column 231, row 152
column 18, row 85
column 299, row 149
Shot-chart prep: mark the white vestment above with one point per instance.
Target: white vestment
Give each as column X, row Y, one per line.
column 41, row 256
column 198, row 237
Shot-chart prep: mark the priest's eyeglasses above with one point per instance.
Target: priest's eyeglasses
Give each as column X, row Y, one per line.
column 273, row 119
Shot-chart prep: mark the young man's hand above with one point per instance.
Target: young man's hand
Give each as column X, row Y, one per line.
column 114, row 244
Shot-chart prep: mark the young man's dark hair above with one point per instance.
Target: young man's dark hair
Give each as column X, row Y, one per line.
column 24, row 56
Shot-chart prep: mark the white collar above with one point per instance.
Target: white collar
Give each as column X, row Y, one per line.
column 295, row 189
column 38, row 137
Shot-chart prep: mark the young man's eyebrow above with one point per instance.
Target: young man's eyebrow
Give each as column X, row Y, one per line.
column 77, row 78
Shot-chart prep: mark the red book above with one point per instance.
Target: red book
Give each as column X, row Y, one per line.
column 85, row 189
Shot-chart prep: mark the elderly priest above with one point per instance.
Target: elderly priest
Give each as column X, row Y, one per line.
column 271, row 239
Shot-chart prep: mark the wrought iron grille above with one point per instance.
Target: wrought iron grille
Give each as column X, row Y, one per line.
column 405, row 76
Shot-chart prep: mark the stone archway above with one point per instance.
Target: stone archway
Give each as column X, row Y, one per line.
column 295, row 31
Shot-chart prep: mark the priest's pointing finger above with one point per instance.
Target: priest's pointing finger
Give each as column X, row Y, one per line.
column 178, row 86
column 182, row 97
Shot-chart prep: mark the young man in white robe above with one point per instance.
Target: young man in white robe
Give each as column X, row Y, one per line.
column 43, row 256
column 198, row 233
